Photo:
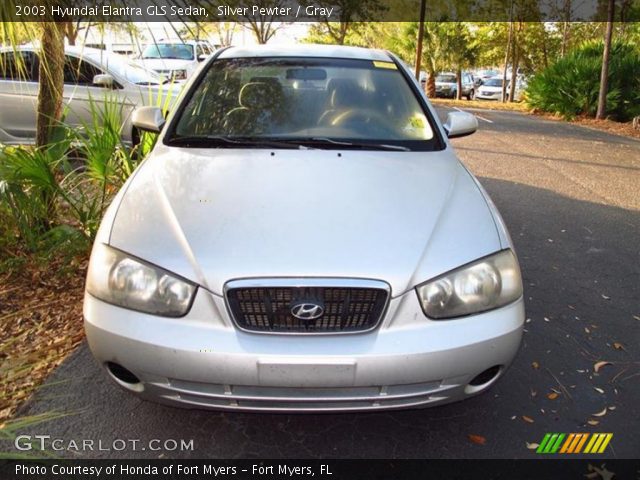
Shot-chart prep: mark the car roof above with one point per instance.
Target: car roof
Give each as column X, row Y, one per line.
column 79, row 51
column 305, row 50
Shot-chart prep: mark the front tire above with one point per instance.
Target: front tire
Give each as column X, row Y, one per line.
column 471, row 95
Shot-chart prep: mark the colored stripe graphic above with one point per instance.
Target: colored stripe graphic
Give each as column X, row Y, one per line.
column 598, row 443
column 572, row 443
column 543, row 443
column 581, row 443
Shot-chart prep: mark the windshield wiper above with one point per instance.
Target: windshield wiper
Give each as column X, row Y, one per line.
column 362, row 145
column 223, row 140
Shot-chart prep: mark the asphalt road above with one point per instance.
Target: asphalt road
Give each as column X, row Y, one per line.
column 571, row 199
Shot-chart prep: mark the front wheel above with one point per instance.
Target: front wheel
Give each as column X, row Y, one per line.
column 471, row 95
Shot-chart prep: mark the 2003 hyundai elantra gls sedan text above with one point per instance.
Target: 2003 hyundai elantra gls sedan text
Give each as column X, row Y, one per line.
column 303, row 238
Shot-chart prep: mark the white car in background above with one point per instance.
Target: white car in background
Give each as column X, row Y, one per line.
column 90, row 76
column 175, row 60
column 491, row 89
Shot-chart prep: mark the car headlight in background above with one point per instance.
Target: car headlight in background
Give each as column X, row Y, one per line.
column 122, row 280
column 179, row 74
column 485, row 284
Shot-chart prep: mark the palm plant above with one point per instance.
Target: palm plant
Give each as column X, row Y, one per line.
column 570, row 86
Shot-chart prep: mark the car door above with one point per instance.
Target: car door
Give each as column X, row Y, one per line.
column 81, row 96
column 18, row 96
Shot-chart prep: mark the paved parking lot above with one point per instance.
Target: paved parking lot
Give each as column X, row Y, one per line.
column 571, row 199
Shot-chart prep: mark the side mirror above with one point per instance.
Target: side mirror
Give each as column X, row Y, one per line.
column 104, row 80
column 149, row 119
column 202, row 58
column 460, row 124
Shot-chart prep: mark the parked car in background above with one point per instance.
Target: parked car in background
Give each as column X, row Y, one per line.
column 303, row 238
column 483, row 75
column 90, row 76
column 491, row 89
column 127, row 49
column 175, row 59
column 447, row 86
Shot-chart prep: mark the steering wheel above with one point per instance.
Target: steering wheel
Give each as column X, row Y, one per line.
column 367, row 119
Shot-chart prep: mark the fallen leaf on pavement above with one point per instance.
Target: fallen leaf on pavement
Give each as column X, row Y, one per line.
column 532, row 446
column 618, row 346
column 593, row 422
column 478, row 439
column 528, row 419
column 612, row 407
column 552, row 396
column 601, row 414
column 605, row 297
column 535, row 365
column 599, row 390
column 599, row 365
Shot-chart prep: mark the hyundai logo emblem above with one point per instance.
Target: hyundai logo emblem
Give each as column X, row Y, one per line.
column 307, row 310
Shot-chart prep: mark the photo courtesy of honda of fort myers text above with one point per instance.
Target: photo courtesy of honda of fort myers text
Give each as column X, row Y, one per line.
column 331, row 239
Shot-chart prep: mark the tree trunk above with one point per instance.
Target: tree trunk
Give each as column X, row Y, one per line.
column 515, row 61
column 51, row 80
column 431, row 84
column 506, row 55
column 423, row 6
column 604, row 72
column 71, row 33
column 459, row 83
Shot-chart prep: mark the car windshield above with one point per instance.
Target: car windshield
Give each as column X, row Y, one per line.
column 493, row 82
column 179, row 51
column 446, row 78
column 123, row 67
column 310, row 102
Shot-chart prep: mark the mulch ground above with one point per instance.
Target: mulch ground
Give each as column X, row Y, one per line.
column 40, row 324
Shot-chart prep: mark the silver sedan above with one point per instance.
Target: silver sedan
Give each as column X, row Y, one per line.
column 303, row 238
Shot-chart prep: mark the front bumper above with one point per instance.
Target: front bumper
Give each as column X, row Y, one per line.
column 202, row 361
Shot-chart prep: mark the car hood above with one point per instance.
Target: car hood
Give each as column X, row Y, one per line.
column 490, row 89
column 165, row 63
column 212, row 215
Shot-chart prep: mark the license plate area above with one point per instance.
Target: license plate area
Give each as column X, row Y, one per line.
column 287, row 373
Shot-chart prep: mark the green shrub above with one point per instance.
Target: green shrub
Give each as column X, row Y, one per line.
column 570, row 86
column 52, row 198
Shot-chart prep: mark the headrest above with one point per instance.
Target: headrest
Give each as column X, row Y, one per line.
column 259, row 95
column 344, row 92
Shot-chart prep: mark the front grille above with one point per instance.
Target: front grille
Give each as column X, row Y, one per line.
column 269, row 309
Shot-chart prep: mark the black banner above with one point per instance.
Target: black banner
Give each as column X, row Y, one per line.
column 542, row 469
column 315, row 10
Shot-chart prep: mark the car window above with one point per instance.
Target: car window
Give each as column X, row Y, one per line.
column 79, row 72
column 293, row 98
column 22, row 66
column 446, row 78
column 178, row 51
column 202, row 50
column 126, row 68
column 493, row 82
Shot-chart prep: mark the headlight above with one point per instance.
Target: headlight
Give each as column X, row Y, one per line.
column 127, row 282
column 179, row 74
column 485, row 284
